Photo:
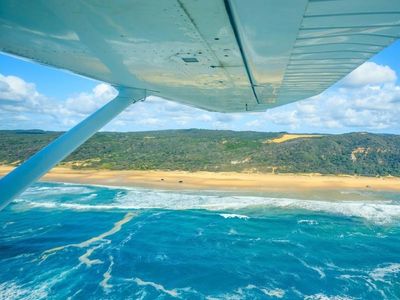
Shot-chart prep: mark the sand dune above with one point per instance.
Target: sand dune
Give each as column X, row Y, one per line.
column 287, row 137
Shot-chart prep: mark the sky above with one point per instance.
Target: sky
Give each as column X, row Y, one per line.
column 34, row 96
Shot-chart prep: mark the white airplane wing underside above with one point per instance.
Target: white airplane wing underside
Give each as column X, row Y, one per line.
column 227, row 56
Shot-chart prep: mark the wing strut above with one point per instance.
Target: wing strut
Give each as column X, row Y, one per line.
column 40, row 163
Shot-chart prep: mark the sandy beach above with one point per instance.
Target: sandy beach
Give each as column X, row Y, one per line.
column 229, row 181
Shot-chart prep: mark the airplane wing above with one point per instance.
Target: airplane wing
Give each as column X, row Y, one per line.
column 218, row 55
column 226, row 56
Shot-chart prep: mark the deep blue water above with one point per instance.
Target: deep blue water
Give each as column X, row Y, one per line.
column 64, row 241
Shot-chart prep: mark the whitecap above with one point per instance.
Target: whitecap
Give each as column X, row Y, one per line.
column 44, row 191
column 232, row 232
column 89, row 197
column 321, row 296
column 36, row 289
column 173, row 293
column 11, row 290
column 309, row 222
column 383, row 271
column 7, row 224
column 319, row 270
column 231, row 216
column 278, row 293
column 271, row 292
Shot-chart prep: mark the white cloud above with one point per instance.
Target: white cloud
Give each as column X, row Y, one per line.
column 157, row 113
column 370, row 73
column 85, row 103
column 149, row 121
column 368, row 99
column 255, row 124
column 205, row 117
column 13, row 88
column 21, row 104
column 17, row 95
column 372, row 106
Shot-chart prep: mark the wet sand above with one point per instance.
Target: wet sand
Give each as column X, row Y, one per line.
column 229, row 181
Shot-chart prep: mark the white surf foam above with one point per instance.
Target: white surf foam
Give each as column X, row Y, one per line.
column 7, row 224
column 381, row 272
column 37, row 289
column 377, row 211
column 44, row 191
column 232, row 216
column 85, row 257
column 11, row 290
column 277, row 293
column 107, row 276
column 309, row 222
column 73, row 206
column 173, row 293
column 319, row 270
column 321, row 296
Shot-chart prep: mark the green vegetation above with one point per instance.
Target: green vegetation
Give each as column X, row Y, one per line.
column 208, row 150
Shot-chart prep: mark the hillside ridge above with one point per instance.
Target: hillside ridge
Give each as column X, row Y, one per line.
column 219, row 151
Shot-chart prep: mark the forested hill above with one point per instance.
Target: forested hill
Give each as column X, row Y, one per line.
column 209, row 150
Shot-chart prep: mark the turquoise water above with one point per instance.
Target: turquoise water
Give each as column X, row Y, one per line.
column 65, row 241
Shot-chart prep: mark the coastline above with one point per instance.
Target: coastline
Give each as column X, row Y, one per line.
column 226, row 181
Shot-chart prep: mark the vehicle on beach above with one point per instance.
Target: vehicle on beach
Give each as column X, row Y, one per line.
column 227, row 56
column 249, row 215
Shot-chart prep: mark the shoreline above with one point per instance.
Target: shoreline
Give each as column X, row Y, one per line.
column 222, row 181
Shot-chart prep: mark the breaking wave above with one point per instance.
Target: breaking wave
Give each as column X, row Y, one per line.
column 144, row 247
column 380, row 212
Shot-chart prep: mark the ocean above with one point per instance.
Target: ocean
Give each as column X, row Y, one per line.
column 69, row 241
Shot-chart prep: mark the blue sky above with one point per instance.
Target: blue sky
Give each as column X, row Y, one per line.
column 36, row 96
